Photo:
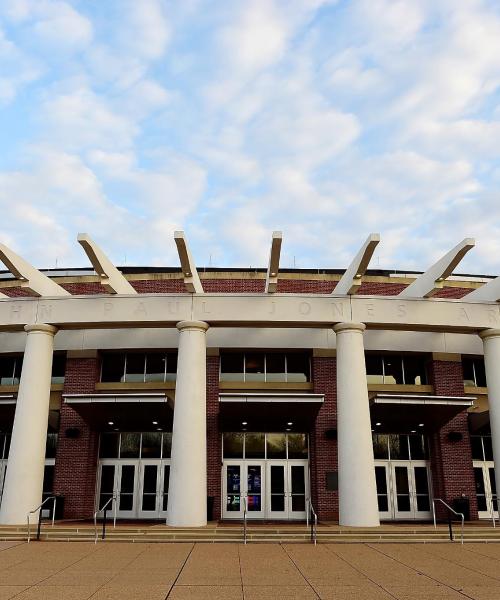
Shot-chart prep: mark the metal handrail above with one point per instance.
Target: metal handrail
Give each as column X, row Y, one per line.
column 461, row 515
column 244, row 519
column 314, row 522
column 105, row 510
column 493, row 513
column 39, row 508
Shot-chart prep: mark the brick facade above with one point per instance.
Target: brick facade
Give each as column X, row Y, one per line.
column 214, row 442
column 323, row 451
column 451, row 461
column 76, row 458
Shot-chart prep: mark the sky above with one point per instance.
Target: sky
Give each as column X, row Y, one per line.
column 327, row 120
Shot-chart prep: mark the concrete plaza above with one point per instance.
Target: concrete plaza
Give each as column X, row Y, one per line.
column 109, row 571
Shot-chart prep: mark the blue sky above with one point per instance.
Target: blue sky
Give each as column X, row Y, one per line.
column 326, row 120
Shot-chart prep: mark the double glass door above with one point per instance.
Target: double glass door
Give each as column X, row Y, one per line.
column 141, row 487
column 486, row 489
column 270, row 489
column 403, row 490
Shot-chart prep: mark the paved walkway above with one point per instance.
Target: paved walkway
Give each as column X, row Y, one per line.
column 112, row 571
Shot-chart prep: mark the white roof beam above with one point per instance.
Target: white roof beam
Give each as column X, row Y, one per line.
column 489, row 292
column 191, row 277
column 28, row 277
column 351, row 279
column 111, row 278
column 432, row 280
column 274, row 263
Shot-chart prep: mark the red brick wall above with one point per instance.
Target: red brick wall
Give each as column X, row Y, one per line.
column 159, row 286
column 76, row 458
column 451, row 461
column 323, row 450
column 214, row 444
column 79, row 289
column 301, row 286
column 234, row 286
column 370, row 288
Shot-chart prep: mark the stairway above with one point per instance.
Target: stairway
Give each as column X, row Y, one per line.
column 255, row 534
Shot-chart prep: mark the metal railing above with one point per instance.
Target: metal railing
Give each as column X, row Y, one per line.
column 451, row 510
column 104, row 510
column 39, row 508
column 493, row 513
column 313, row 518
column 244, row 519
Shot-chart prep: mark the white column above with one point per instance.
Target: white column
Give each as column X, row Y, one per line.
column 491, row 345
column 357, row 488
column 187, row 492
column 24, row 479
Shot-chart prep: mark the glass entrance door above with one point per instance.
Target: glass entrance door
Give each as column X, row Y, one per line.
column 486, row 492
column 403, row 490
column 287, row 489
column 243, row 482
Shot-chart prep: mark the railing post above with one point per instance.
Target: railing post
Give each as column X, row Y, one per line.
column 104, row 522
column 39, row 524
column 450, row 527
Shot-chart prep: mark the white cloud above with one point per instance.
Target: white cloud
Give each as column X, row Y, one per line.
column 143, row 28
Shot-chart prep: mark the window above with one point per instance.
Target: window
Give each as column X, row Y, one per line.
column 481, row 447
column 400, row 446
column 474, row 372
column 58, row 367
column 265, row 367
column 139, row 367
column 150, row 444
column 238, row 445
column 10, row 369
column 396, row 369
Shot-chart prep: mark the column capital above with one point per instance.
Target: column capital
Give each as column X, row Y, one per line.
column 343, row 327
column 489, row 333
column 41, row 327
column 192, row 325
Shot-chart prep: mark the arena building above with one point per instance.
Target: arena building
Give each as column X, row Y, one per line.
column 193, row 394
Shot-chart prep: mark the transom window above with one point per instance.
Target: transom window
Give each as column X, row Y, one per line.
column 139, row 367
column 264, row 445
column 396, row 369
column 50, row 446
column 154, row 444
column 474, row 373
column 11, row 366
column 400, row 446
column 266, row 367
column 481, row 447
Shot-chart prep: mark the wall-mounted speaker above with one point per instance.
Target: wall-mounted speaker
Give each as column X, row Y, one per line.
column 331, row 434
column 455, row 436
column 72, row 432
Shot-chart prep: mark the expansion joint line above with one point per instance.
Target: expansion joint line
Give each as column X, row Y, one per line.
column 180, row 571
column 300, row 570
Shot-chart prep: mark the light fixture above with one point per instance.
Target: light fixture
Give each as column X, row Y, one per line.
column 288, row 429
column 378, row 424
column 420, row 424
column 413, row 431
column 159, row 429
column 155, row 422
column 116, row 429
column 110, row 423
column 290, row 423
column 244, row 423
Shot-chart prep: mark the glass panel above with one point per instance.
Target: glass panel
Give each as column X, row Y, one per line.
column 402, row 488
column 58, row 368
column 383, row 503
column 393, row 370
column 166, row 479
column 50, row 446
column 18, row 365
column 130, row 445
column 422, row 488
column 150, row 477
column 398, row 446
column 480, row 489
column 109, row 445
column 151, row 445
column 380, row 445
column 297, row 445
column 277, row 488
column 135, row 367
column 476, row 447
column 233, row 488
column 254, row 445
column 149, row 502
column 6, row 370
column 254, row 489
column 298, row 479
column 167, row 444
column 7, row 445
column 231, row 367
column 480, row 372
column 155, row 366
column 48, row 479
column 113, row 367
column 299, row 502
column 107, row 484
column 417, row 447
column 488, row 448
column 381, row 479
column 275, row 367
column 374, row 369
column 298, row 367
column 493, row 487
column 254, row 367
column 276, row 445
column 171, row 366
column 233, row 444
column 468, row 372
column 415, row 371
column 127, row 485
